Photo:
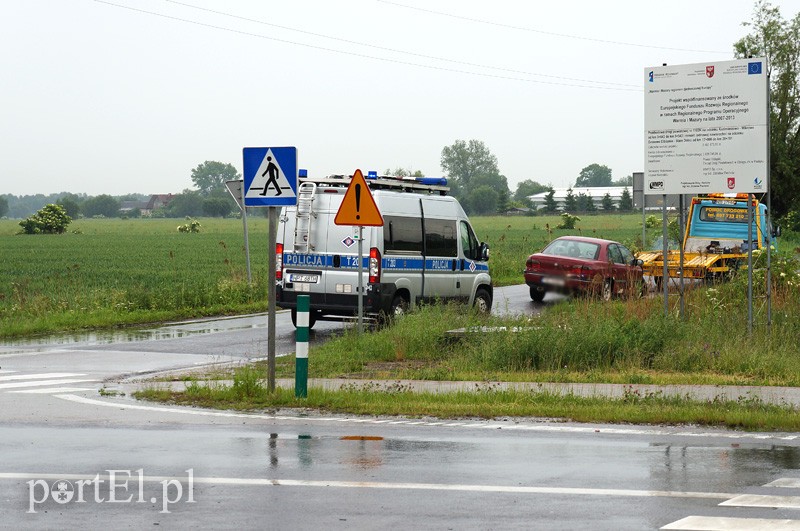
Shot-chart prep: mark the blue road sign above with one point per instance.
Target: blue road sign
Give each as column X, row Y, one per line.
column 270, row 176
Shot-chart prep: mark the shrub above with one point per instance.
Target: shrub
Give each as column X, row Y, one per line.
column 51, row 219
column 192, row 226
column 791, row 221
column 568, row 221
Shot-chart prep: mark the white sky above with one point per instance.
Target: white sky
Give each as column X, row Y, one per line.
column 101, row 99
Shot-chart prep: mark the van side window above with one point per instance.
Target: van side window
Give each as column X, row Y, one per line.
column 440, row 237
column 402, row 234
column 469, row 242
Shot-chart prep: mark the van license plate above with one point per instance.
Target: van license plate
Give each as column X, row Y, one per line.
column 553, row 281
column 307, row 279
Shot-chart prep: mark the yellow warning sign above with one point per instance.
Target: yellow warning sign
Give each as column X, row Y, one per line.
column 358, row 206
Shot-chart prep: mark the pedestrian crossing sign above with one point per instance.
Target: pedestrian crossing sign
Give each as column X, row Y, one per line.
column 270, row 176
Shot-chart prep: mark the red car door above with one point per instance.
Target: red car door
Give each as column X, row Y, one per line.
column 619, row 268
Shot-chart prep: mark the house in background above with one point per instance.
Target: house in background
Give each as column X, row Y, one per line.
column 146, row 208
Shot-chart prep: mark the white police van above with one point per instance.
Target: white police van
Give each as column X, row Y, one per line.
column 425, row 251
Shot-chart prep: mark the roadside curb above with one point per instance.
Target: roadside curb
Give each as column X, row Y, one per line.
column 784, row 396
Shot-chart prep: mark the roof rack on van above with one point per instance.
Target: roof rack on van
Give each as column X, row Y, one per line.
column 431, row 185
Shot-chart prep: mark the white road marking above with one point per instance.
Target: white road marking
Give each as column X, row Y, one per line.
column 3, row 371
column 43, row 375
column 399, row 486
column 790, row 483
column 52, row 390
column 42, row 383
column 757, row 500
column 512, row 426
column 709, row 523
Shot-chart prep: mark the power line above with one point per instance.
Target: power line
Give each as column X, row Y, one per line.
column 543, row 32
column 363, row 56
column 395, row 50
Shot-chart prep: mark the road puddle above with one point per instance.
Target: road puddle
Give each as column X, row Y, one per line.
column 106, row 337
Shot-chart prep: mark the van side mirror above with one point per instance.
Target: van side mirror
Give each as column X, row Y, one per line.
column 637, row 262
column 483, row 252
column 776, row 232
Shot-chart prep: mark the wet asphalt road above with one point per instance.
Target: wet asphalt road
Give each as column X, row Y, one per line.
column 299, row 470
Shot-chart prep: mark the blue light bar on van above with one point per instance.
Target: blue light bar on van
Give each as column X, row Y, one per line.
column 433, row 181
column 372, row 175
column 302, row 173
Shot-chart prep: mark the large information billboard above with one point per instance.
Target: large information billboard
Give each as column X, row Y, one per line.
column 706, row 128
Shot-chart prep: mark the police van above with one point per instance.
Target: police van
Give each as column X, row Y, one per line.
column 426, row 250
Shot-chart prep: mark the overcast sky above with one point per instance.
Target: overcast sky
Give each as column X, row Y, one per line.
column 129, row 95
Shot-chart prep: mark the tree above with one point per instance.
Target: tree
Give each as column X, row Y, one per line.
column 483, row 200
column 607, row 204
column 779, row 41
column 211, row 175
column 570, row 203
column 216, row 207
column 71, row 206
column 550, row 203
column 527, row 188
column 464, row 161
column 187, row 203
column 52, row 219
column 594, row 175
column 496, row 182
column 591, row 208
column 101, row 205
column 3, row 206
column 402, row 172
column 626, row 201
column 581, row 201
column 625, row 181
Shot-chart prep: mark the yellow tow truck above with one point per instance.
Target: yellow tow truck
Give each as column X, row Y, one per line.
column 715, row 244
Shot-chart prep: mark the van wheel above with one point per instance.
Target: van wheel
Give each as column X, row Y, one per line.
column 312, row 318
column 483, row 301
column 398, row 308
column 537, row 294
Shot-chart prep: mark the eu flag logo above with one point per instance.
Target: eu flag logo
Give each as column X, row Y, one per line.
column 754, row 68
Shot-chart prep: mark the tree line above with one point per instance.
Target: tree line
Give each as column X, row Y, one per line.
column 211, row 199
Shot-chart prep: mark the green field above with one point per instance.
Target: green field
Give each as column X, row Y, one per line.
column 112, row 272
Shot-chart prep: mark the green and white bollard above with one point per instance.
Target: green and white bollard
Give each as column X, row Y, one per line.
column 301, row 351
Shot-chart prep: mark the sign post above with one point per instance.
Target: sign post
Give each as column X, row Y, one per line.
column 270, row 180
column 359, row 209
column 236, row 189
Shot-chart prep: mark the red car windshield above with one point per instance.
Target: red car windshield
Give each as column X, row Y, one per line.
column 573, row 249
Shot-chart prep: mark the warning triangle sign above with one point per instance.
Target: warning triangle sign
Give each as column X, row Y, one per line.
column 358, row 206
column 269, row 180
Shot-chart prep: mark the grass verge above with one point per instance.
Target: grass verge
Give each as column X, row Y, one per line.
column 249, row 393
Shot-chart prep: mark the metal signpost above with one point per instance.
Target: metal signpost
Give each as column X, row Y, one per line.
column 707, row 131
column 359, row 209
column 236, row 189
column 270, row 180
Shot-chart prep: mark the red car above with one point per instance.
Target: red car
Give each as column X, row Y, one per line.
column 573, row 264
